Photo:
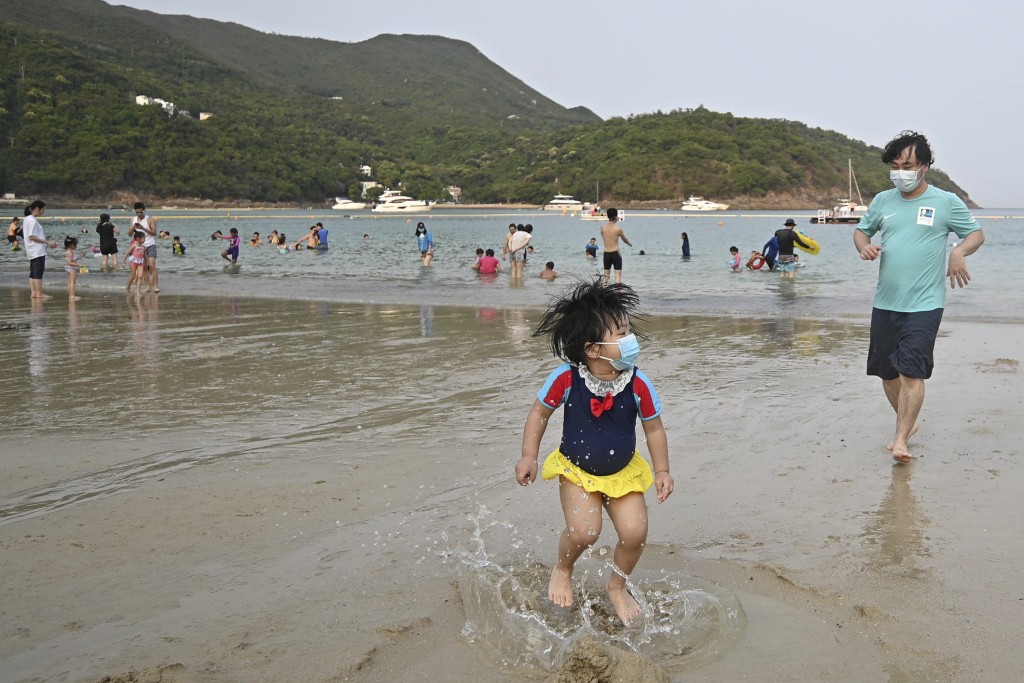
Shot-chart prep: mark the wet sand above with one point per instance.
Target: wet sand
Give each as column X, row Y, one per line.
column 252, row 490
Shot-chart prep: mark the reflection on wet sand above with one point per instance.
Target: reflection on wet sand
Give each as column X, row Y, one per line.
column 896, row 532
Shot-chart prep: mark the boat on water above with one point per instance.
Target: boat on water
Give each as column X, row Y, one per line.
column 846, row 210
column 593, row 212
column 345, row 204
column 393, row 201
column 695, row 203
column 563, row 202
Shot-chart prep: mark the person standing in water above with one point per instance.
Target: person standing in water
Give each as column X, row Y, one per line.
column 35, row 247
column 108, row 240
column 146, row 224
column 612, row 233
column 425, row 243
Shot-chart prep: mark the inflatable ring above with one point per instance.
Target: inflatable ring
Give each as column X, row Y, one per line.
column 757, row 263
column 814, row 246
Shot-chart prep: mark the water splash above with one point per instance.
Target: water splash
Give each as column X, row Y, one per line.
column 510, row 618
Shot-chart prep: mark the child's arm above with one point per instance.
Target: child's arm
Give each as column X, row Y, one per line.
column 536, row 424
column 69, row 255
column 657, row 445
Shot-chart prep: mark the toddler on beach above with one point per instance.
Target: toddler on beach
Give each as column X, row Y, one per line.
column 71, row 266
column 597, row 463
column 137, row 257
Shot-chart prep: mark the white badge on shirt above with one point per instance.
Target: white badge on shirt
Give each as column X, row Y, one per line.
column 926, row 216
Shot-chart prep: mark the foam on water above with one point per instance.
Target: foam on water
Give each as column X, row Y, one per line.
column 509, row 617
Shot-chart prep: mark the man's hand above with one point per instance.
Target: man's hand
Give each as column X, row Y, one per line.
column 957, row 269
column 870, row 252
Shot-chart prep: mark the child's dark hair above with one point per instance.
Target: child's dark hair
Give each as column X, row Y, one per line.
column 584, row 313
column 70, row 241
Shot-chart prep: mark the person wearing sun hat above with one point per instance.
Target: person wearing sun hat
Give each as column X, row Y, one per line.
column 788, row 236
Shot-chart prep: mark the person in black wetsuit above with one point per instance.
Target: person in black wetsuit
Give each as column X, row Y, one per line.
column 787, row 237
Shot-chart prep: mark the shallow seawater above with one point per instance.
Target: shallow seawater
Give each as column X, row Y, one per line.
column 373, row 259
column 509, row 617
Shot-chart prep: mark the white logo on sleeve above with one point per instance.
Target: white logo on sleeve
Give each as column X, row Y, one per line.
column 926, row 216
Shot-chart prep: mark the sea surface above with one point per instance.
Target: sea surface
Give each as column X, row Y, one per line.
column 374, row 259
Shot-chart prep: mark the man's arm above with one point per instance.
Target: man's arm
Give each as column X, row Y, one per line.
column 867, row 251
column 624, row 238
column 957, row 269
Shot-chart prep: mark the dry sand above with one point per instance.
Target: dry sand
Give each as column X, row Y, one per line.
column 196, row 490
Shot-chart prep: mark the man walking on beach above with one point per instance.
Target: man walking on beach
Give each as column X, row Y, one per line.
column 146, row 224
column 914, row 220
column 610, row 233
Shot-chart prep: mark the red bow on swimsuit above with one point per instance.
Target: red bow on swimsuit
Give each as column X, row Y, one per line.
column 597, row 406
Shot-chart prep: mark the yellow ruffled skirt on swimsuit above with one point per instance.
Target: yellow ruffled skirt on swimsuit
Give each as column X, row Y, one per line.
column 635, row 476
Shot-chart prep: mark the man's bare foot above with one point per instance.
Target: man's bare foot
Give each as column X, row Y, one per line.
column 901, row 454
column 560, row 587
column 913, row 430
column 625, row 606
column 44, row 297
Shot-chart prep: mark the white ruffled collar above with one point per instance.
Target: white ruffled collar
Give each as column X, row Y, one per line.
column 603, row 387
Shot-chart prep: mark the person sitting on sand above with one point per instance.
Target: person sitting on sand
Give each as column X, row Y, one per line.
column 597, row 464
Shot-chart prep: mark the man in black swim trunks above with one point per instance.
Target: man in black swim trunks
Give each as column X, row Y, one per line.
column 610, row 233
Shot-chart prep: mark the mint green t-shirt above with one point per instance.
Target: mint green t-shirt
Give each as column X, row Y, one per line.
column 912, row 273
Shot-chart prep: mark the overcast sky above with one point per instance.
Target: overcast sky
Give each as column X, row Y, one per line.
column 868, row 69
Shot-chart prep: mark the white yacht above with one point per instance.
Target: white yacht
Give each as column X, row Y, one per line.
column 393, row 201
column 593, row 212
column 695, row 203
column 563, row 202
column 344, row 204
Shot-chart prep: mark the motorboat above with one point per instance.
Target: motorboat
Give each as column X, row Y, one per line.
column 593, row 212
column 393, row 201
column 695, row 203
column 345, row 204
column 846, row 210
column 563, row 202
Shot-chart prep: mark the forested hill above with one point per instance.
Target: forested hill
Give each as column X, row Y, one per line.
column 293, row 118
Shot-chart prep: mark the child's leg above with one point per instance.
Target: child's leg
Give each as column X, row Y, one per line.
column 582, row 512
column 629, row 515
column 72, row 279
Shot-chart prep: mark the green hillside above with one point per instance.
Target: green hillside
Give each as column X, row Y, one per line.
column 293, row 118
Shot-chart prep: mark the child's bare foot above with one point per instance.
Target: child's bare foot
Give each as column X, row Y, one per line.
column 560, row 587
column 74, row 298
column 625, row 606
column 913, row 430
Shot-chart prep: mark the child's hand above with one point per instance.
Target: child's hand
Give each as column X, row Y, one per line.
column 664, row 485
column 526, row 471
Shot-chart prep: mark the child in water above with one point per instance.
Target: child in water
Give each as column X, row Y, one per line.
column 597, row 463
column 72, row 266
column 137, row 257
column 734, row 259
column 234, row 241
column 177, row 248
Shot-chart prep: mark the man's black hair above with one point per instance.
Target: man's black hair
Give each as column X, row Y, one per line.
column 905, row 140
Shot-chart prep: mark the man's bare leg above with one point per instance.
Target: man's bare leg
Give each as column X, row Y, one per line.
column 906, row 396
